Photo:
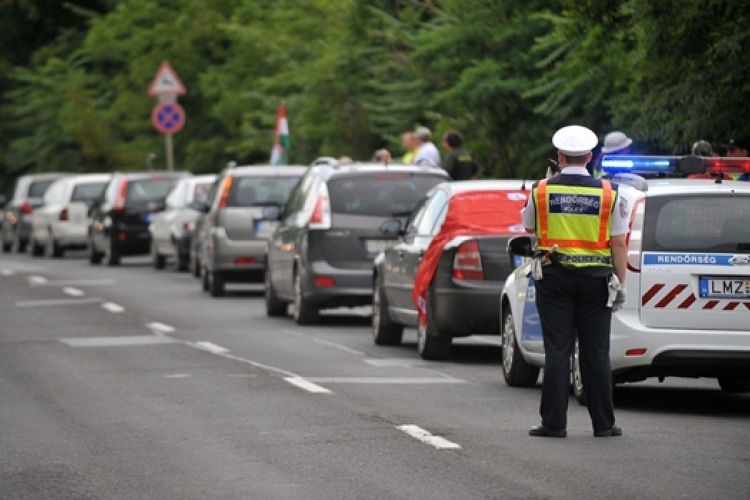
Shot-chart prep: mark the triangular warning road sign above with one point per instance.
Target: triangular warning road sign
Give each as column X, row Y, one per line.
column 166, row 82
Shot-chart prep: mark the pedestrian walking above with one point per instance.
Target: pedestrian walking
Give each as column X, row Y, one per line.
column 581, row 224
column 459, row 163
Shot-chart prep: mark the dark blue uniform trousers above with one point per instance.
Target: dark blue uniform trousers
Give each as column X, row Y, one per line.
column 568, row 302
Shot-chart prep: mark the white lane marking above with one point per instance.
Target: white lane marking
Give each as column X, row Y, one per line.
column 307, row 385
column 159, row 327
column 339, row 346
column 211, row 347
column 132, row 340
column 77, row 282
column 422, row 435
column 112, row 307
column 178, row 375
column 37, row 280
column 73, row 292
column 59, row 302
column 385, row 380
column 7, row 272
column 241, row 375
column 290, row 377
column 400, row 362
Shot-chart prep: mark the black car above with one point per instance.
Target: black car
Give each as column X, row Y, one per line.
column 321, row 254
column 464, row 291
column 120, row 219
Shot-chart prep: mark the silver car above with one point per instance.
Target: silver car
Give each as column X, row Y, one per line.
column 172, row 229
column 236, row 227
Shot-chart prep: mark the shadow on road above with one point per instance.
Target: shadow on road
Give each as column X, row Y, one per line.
column 681, row 400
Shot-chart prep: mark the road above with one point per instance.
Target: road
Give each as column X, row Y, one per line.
column 131, row 383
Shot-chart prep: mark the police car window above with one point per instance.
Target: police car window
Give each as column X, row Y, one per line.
column 432, row 212
column 701, row 223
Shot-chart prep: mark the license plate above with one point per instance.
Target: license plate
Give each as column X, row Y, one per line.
column 725, row 288
column 147, row 217
column 265, row 228
column 377, row 246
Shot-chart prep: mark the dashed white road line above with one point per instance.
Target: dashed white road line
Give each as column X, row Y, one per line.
column 77, row 282
column 211, row 347
column 7, row 272
column 307, row 385
column 339, row 346
column 178, row 375
column 37, row 280
column 73, row 292
column 426, row 437
column 112, row 307
column 59, row 302
column 160, row 327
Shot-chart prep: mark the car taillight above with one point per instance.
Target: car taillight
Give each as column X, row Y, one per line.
column 121, row 195
column 64, row 214
column 635, row 236
column 321, row 214
column 467, row 264
column 26, row 208
column 225, row 191
column 324, row 281
column 244, row 261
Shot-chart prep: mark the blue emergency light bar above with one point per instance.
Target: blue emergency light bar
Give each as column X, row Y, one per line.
column 648, row 165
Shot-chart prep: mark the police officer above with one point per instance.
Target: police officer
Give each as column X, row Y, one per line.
column 581, row 223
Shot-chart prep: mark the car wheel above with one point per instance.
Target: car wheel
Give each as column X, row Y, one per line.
column 160, row 261
column 576, row 381
column 429, row 345
column 384, row 330
column 516, row 371
column 217, row 284
column 274, row 306
column 111, row 255
column 94, row 256
column 304, row 312
column 205, row 281
column 35, row 249
column 53, row 248
column 736, row 385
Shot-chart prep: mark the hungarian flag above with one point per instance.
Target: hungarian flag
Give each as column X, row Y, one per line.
column 280, row 151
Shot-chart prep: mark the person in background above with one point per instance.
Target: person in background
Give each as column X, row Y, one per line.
column 739, row 147
column 702, row 148
column 427, row 153
column 345, row 159
column 410, row 145
column 581, row 224
column 459, row 163
column 382, row 156
column 615, row 144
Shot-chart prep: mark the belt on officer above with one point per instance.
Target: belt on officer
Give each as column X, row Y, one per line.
column 583, row 259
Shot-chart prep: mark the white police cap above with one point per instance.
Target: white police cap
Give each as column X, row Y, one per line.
column 575, row 140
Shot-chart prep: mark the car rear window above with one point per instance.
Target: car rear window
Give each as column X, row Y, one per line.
column 381, row 195
column 260, row 190
column 201, row 191
column 698, row 223
column 88, row 192
column 149, row 189
column 38, row 188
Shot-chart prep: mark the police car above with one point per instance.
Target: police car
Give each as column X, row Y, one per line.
column 688, row 308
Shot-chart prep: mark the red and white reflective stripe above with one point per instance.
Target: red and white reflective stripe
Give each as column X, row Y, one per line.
column 689, row 301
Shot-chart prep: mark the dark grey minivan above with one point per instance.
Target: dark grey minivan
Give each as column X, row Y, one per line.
column 321, row 254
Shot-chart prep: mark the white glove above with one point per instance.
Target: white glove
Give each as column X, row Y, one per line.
column 622, row 296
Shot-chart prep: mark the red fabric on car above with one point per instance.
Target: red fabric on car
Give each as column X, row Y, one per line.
column 472, row 213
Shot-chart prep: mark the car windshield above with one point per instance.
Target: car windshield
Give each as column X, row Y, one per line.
column 260, row 190
column 149, row 189
column 38, row 188
column 702, row 223
column 88, row 192
column 381, row 194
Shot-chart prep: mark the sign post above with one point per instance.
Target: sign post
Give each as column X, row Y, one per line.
column 168, row 117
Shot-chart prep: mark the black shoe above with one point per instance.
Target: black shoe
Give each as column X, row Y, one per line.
column 613, row 431
column 542, row 431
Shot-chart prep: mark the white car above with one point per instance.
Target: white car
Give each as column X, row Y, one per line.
column 688, row 307
column 62, row 222
column 172, row 229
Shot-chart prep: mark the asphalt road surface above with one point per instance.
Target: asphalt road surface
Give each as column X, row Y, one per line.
column 133, row 383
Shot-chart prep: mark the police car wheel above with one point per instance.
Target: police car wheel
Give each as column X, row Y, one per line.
column 516, row 371
column 736, row 385
column 576, row 381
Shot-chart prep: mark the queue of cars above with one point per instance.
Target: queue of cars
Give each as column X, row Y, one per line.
column 443, row 257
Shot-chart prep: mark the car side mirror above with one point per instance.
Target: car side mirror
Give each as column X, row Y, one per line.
column 520, row 246
column 392, row 227
column 199, row 206
column 272, row 212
